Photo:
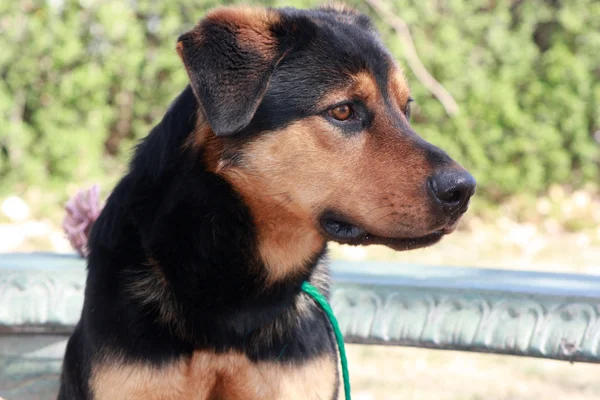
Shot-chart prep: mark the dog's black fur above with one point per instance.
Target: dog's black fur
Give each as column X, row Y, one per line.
column 170, row 210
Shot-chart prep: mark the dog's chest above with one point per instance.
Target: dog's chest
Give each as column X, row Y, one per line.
column 210, row 376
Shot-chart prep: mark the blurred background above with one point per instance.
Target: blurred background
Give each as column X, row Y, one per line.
column 511, row 89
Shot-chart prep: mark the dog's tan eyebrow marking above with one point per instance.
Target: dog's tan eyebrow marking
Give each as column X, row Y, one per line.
column 361, row 85
column 365, row 86
column 398, row 87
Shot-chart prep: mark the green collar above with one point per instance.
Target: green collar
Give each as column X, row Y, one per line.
column 322, row 301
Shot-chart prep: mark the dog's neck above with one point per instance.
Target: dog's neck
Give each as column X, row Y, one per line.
column 287, row 239
column 197, row 237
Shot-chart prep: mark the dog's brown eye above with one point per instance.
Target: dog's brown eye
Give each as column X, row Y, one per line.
column 341, row 112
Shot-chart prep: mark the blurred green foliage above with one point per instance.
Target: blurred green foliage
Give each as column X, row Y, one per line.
column 83, row 80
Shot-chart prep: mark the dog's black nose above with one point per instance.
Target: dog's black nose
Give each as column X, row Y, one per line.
column 452, row 189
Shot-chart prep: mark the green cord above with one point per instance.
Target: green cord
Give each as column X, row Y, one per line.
column 322, row 301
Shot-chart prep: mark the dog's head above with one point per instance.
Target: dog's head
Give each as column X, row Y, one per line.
column 307, row 115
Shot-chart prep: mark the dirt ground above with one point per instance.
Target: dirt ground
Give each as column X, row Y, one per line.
column 385, row 373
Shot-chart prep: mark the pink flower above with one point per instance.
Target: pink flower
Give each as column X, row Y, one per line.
column 82, row 211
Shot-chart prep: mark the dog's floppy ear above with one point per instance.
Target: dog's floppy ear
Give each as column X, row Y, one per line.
column 230, row 57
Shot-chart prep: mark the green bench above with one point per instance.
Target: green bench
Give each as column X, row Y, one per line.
column 532, row 314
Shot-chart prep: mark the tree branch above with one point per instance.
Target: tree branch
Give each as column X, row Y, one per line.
column 381, row 7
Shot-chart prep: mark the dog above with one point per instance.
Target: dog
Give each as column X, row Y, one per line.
column 293, row 132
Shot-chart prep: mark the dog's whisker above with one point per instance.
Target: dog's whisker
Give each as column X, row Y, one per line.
column 275, row 194
column 384, row 217
column 281, row 203
column 377, row 208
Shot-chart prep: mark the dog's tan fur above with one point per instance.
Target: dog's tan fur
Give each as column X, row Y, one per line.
column 210, row 376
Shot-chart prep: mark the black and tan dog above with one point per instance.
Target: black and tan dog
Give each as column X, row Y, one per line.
column 294, row 131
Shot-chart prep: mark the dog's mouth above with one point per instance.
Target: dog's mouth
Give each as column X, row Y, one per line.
column 340, row 230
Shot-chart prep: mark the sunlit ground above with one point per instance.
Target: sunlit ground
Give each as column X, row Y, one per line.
column 419, row 374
